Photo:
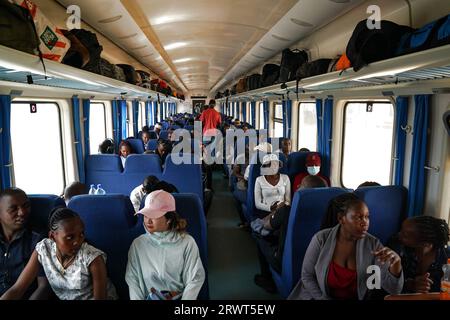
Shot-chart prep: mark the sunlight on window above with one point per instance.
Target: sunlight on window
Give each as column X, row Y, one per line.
column 307, row 126
column 368, row 136
column 37, row 158
column 278, row 130
column 261, row 115
column 97, row 126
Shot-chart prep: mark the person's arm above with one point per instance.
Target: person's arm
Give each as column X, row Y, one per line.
column 42, row 291
column 287, row 194
column 25, row 279
column 259, row 203
column 297, row 182
column 133, row 276
column 193, row 272
column 237, row 172
column 136, row 198
column 98, row 272
column 391, row 269
column 309, row 276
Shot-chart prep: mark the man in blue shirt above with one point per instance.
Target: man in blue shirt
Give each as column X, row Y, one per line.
column 17, row 243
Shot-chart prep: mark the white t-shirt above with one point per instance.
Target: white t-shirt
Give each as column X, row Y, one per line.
column 123, row 159
column 75, row 282
column 136, row 197
column 267, row 194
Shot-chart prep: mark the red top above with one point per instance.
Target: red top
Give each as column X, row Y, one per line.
column 342, row 282
column 210, row 119
column 299, row 178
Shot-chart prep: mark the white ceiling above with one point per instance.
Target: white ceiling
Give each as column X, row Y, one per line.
column 203, row 45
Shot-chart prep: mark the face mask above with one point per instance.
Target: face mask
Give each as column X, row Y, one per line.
column 313, row 170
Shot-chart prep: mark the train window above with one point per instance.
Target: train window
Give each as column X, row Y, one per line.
column 307, row 126
column 278, row 121
column 261, row 115
column 97, row 126
column 28, row 138
column 368, row 135
column 141, row 115
column 129, row 120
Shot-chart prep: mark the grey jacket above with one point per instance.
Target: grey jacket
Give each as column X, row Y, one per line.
column 313, row 282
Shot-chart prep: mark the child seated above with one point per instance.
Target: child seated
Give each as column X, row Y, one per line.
column 75, row 270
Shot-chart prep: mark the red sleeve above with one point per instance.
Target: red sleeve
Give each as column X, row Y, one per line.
column 201, row 116
column 326, row 179
column 298, row 180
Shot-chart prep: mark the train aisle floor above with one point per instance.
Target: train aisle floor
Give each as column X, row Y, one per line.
column 232, row 256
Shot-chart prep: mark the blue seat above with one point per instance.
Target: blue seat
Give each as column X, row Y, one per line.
column 307, row 211
column 105, row 169
column 109, row 224
column 137, row 145
column 387, row 207
column 41, row 206
column 164, row 134
column 187, row 178
column 152, row 144
column 189, row 127
column 137, row 167
column 296, row 164
column 250, row 211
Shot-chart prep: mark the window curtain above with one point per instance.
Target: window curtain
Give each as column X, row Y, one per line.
column 401, row 120
column 116, row 122
column 416, row 196
column 77, row 137
column 162, row 106
column 155, row 112
column 5, row 141
column 266, row 114
column 148, row 113
column 244, row 111
column 123, row 119
column 325, row 131
column 135, row 118
column 253, row 113
column 287, row 118
column 86, row 121
column 238, row 110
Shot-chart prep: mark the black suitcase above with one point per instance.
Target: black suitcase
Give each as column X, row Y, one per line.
column 291, row 60
column 130, row 73
column 270, row 74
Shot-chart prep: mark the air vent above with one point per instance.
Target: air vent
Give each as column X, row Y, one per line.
column 267, row 49
column 302, row 23
column 110, row 20
column 128, row 37
column 139, row 48
column 280, row 38
column 259, row 57
column 147, row 55
column 340, row 1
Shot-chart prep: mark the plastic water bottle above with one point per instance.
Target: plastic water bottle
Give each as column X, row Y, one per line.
column 92, row 190
column 445, row 282
column 100, row 190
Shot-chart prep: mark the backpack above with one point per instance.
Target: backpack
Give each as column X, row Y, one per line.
column 119, row 74
column 75, row 57
column 313, row 68
column 17, row 29
column 434, row 34
column 145, row 76
column 270, row 74
column 366, row 46
column 290, row 62
column 343, row 63
column 242, row 85
column 106, row 69
column 130, row 73
column 254, row 82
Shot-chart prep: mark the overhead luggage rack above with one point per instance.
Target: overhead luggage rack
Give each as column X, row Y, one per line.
column 432, row 64
column 20, row 67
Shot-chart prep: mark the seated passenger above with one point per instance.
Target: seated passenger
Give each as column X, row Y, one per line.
column 124, row 151
column 313, row 168
column 310, row 182
column 337, row 259
column 304, row 150
column 273, row 198
column 106, row 147
column 165, row 258
column 163, row 149
column 138, row 193
column 17, row 243
column 74, row 189
column 369, row 184
column 422, row 246
column 286, row 147
column 74, row 269
column 145, row 138
column 240, row 192
column 157, row 130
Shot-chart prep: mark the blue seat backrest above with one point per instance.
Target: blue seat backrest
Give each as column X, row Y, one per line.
column 284, row 161
column 108, row 221
column 105, row 169
column 152, row 144
column 41, row 206
column 137, row 168
column 307, row 211
column 296, row 164
column 387, row 206
column 254, row 173
column 189, row 127
column 137, row 145
column 187, row 178
column 190, row 208
column 164, row 134
column 175, row 127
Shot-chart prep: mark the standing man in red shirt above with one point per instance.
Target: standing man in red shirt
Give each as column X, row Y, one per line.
column 210, row 119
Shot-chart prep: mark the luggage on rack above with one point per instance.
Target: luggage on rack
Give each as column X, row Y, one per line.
column 76, row 56
column 241, row 85
column 434, row 34
column 270, row 74
column 291, row 60
column 145, row 76
column 254, row 82
column 130, row 73
column 313, row 68
column 119, row 74
column 370, row 45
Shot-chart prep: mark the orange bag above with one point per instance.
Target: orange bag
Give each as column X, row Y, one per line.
column 343, row 63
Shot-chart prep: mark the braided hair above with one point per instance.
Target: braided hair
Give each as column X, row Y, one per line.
column 432, row 230
column 58, row 215
column 338, row 205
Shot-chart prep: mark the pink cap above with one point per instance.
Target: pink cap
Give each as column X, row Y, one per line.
column 157, row 204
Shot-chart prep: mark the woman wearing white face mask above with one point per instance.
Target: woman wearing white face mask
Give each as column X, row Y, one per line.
column 313, row 163
column 273, row 199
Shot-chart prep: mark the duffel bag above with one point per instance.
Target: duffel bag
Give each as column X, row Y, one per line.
column 291, row 60
column 130, row 73
column 270, row 74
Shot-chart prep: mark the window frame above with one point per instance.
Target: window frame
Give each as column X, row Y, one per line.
column 61, row 138
column 299, row 104
column 104, row 118
column 367, row 102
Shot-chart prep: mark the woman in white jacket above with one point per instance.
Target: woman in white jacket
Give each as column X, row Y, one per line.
column 165, row 260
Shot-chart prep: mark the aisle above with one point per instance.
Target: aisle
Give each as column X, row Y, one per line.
column 232, row 257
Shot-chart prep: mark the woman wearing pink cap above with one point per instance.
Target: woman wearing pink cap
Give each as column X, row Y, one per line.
column 164, row 262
